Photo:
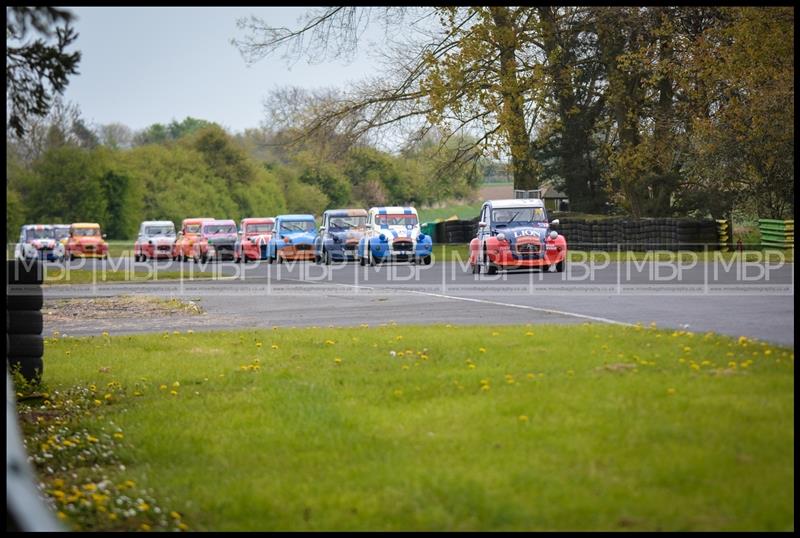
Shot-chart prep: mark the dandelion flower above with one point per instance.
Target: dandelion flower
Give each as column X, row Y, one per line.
column 670, row 391
column 258, row 344
column 163, row 387
column 145, row 527
column 119, row 435
column 176, row 384
column 523, row 418
column 529, row 333
column 337, row 360
column 274, row 346
column 173, row 392
column 482, row 349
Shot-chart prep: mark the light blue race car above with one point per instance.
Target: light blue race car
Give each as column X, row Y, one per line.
column 293, row 238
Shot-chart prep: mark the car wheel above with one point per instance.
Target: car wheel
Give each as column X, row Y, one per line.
column 426, row 260
column 326, row 255
column 488, row 267
column 560, row 267
column 476, row 269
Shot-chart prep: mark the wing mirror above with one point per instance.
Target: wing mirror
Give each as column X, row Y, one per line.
column 481, row 224
column 554, row 222
column 104, row 236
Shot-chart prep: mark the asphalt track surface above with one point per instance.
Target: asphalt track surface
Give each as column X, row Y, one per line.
column 753, row 299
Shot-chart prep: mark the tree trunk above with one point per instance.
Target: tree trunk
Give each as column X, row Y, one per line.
column 512, row 117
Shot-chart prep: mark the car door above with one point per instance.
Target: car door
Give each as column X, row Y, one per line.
column 483, row 233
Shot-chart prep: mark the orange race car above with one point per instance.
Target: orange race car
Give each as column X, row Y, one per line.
column 86, row 241
column 516, row 234
column 183, row 248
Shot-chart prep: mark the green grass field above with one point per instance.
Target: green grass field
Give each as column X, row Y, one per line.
column 583, row 427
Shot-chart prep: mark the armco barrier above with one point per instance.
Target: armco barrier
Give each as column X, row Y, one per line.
column 776, row 233
column 24, row 343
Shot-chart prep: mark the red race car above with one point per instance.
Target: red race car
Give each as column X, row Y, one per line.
column 254, row 234
column 515, row 234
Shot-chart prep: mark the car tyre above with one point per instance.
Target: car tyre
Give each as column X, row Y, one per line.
column 29, row 368
column 326, row 256
column 25, row 345
column 24, row 322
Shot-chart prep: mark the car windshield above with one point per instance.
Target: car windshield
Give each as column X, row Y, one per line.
column 45, row 233
column 192, row 228
column 518, row 216
column 220, row 229
column 86, row 232
column 407, row 220
column 297, row 226
column 159, row 230
column 339, row 224
column 260, row 228
column 61, row 233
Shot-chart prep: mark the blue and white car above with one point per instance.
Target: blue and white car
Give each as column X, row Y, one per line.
column 292, row 239
column 393, row 234
column 38, row 241
column 339, row 234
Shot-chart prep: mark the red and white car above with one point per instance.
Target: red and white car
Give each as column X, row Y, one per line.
column 515, row 234
column 155, row 240
column 254, row 234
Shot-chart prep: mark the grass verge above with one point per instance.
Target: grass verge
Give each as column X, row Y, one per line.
column 585, row 427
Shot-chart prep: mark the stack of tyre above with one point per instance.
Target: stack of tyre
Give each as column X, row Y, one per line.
column 455, row 231
column 24, row 343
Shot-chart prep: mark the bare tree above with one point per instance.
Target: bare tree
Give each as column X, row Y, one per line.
column 459, row 70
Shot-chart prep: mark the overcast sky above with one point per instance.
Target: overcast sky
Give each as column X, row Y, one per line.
column 141, row 66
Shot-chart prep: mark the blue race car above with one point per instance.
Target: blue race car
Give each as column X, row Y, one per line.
column 292, row 239
column 339, row 235
column 393, row 234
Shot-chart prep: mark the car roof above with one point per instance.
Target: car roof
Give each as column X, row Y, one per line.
column 251, row 220
column 218, row 222
column 158, row 223
column 515, row 202
column 393, row 210
column 346, row 212
column 85, row 225
column 195, row 220
column 296, row 217
column 36, row 226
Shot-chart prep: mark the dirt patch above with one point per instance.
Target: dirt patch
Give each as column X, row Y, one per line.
column 126, row 306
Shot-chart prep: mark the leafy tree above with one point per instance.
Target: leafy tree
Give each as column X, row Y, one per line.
column 67, row 187
column 36, row 70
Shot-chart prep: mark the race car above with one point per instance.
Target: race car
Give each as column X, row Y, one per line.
column 293, row 238
column 339, row 234
column 86, row 241
column 183, row 247
column 38, row 241
column 215, row 241
column 515, row 234
column 61, row 232
column 393, row 234
column 155, row 240
column 254, row 234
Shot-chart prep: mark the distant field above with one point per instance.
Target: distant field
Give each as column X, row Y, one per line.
column 422, row 428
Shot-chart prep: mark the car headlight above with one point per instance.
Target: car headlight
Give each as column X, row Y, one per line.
column 553, row 234
column 421, row 237
column 383, row 238
column 501, row 236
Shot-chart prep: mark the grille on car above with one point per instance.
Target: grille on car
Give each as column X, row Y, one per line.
column 402, row 245
column 528, row 248
column 303, row 247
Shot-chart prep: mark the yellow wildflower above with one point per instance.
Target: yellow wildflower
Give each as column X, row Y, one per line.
column 523, row 418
